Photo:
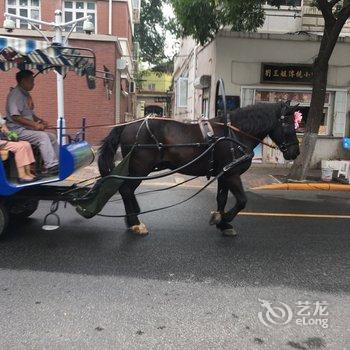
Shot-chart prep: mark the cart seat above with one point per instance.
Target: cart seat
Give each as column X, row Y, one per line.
column 72, row 157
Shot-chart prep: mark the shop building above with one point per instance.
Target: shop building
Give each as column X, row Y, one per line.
column 265, row 67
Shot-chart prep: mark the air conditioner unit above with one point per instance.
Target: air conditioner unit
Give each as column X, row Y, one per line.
column 136, row 15
column 202, row 82
column 122, row 64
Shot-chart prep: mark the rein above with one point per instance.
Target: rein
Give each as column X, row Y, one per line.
column 232, row 127
column 111, row 125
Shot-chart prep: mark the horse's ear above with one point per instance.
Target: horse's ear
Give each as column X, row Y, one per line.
column 285, row 107
column 293, row 109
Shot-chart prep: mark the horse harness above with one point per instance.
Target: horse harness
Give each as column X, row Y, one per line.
column 284, row 145
column 208, row 136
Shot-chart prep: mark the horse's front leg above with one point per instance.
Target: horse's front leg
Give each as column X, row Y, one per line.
column 216, row 216
column 234, row 184
column 221, row 199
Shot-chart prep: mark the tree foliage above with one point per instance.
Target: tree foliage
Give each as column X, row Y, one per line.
column 150, row 32
column 166, row 67
column 202, row 19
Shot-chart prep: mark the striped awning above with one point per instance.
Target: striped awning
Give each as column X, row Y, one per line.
column 43, row 56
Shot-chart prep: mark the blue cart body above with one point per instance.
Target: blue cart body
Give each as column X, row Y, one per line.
column 72, row 157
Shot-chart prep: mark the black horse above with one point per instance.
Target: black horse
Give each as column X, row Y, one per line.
column 275, row 120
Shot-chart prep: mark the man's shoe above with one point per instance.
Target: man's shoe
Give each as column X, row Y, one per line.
column 53, row 170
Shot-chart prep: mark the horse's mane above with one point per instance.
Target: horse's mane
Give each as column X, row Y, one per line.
column 256, row 119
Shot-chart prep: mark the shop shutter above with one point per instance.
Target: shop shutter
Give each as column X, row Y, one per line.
column 339, row 122
column 247, row 97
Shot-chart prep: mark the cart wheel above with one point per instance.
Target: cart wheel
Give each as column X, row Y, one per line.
column 4, row 220
column 23, row 209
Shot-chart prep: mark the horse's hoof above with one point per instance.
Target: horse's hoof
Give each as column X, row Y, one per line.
column 140, row 230
column 215, row 218
column 230, row 232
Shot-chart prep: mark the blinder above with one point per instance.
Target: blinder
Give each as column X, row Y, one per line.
column 283, row 147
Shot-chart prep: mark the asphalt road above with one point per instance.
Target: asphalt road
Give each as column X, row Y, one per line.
column 92, row 285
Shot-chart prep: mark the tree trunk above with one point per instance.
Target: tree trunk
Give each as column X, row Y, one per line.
column 301, row 165
column 330, row 36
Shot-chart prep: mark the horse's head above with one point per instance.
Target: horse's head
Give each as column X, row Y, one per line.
column 284, row 131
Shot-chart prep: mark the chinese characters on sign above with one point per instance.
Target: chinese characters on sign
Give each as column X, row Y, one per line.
column 294, row 96
column 286, row 73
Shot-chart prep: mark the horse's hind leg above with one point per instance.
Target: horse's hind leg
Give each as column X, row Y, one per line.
column 140, row 165
column 234, row 184
column 132, row 209
column 135, row 203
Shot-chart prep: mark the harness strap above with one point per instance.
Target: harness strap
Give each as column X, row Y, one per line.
column 232, row 127
column 206, row 129
column 151, row 133
column 208, row 137
column 154, row 138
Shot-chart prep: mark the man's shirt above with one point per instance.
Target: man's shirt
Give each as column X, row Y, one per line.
column 19, row 103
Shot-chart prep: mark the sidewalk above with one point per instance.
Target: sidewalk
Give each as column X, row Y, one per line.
column 259, row 176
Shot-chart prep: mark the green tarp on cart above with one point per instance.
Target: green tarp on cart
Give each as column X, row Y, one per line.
column 91, row 204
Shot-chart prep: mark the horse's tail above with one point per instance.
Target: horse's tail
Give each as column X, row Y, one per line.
column 108, row 150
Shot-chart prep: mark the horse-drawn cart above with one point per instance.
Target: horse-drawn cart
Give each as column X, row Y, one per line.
column 220, row 148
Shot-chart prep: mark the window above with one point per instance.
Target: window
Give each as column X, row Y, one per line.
column 77, row 9
column 182, row 92
column 24, row 8
column 303, row 98
column 152, row 87
column 324, row 128
column 206, row 102
column 136, row 4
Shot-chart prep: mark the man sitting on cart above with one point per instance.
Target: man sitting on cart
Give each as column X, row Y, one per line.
column 22, row 119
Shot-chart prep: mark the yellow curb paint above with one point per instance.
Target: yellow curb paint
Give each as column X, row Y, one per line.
column 308, row 186
column 296, row 215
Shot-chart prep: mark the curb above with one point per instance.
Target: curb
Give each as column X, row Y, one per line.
column 307, row 186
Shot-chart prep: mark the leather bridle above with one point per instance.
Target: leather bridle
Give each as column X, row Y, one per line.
column 283, row 147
